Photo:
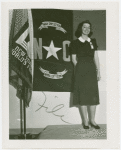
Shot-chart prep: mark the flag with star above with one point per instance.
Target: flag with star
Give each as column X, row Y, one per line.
column 53, row 70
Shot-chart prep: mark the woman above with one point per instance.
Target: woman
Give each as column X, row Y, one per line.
column 86, row 73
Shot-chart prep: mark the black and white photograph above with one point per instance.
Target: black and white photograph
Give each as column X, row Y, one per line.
column 57, row 74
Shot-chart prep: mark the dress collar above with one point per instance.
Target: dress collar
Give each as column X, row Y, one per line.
column 82, row 40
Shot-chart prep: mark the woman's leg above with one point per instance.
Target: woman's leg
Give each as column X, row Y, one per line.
column 83, row 113
column 91, row 113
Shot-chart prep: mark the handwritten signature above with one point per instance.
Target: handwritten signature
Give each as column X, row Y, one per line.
column 55, row 109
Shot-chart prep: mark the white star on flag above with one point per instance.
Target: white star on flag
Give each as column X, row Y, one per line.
column 52, row 50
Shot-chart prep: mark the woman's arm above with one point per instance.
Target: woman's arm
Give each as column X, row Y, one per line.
column 74, row 60
column 97, row 64
column 96, row 61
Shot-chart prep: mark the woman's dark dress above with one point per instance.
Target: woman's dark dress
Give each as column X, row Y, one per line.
column 85, row 90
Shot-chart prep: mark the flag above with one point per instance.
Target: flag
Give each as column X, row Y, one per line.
column 53, row 70
column 20, row 64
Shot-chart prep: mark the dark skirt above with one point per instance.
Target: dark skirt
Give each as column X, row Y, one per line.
column 85, row 90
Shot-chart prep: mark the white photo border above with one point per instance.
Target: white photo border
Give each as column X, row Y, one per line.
column 112, row 65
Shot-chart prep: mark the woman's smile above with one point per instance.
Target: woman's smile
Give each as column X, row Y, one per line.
column 86, row 29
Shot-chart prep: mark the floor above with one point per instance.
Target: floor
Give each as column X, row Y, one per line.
column 61, row 132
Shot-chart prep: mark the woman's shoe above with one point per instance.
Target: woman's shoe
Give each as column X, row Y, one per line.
column 94, row 126
column 85, row 127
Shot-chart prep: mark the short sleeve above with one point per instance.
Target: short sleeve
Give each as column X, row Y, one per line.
column 72, row 47
column 95, row 44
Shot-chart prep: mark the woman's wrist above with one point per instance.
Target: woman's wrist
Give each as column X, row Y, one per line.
column 75, row 64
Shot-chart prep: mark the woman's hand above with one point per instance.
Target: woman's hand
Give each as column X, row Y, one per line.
column 98, row 76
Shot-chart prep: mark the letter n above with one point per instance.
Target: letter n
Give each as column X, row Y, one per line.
column 37, row 48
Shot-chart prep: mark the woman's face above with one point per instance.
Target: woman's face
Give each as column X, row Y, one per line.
column 86, row 29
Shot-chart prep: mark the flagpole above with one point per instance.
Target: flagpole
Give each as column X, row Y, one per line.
column 21, row 117
column 25, row 135
column 24, row 105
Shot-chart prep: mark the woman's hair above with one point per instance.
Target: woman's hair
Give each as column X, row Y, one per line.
column 78, row 32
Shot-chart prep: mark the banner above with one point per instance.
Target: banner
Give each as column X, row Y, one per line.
column 53, row 70
column 20, row 66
